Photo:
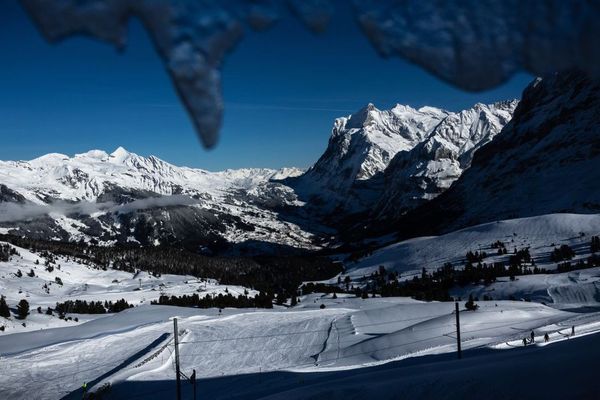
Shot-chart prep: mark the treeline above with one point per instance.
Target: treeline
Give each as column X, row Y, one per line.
column 595, row 244
column 592, row 261
column 563, row 253
column 279, row 275
column 93, row 307
column 261, row 300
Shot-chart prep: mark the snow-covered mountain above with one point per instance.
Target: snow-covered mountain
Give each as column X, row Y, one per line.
column 428, row 169
column 92, row 176
column 361, row 146
column 124, row 197
column 544, row 161
column 425, row 148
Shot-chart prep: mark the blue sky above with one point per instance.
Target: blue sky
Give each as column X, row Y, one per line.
column 283, row 88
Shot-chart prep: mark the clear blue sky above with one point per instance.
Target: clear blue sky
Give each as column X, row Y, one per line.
column 283, row 88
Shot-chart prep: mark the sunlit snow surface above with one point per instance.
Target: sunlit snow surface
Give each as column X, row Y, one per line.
column 350, row 333
column 472, row 44
column 286, row 347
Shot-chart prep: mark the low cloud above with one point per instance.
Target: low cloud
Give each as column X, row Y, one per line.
column 10, row 212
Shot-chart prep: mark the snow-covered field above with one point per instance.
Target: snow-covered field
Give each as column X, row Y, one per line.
column 324, row 347
column 85, row 282
column 135, row 347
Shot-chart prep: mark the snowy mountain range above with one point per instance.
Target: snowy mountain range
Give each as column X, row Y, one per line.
column 394, row 158
column 429, row 168
column 123, row 197
column 382, row 168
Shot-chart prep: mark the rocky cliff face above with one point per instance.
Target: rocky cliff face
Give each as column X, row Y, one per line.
column 396, row 158
column 428, row 169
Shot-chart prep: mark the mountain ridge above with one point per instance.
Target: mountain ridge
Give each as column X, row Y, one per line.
column 350, row 173
column 544, row 161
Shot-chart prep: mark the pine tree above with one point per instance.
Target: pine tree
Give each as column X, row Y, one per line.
column 595, row 245
column 4, row 310
column 22, row 309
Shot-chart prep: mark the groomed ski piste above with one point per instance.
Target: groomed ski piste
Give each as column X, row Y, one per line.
column 352, row 348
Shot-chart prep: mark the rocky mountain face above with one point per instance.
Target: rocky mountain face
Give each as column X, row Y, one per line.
column 545, row 160
column 394, row 159
column 420, row 174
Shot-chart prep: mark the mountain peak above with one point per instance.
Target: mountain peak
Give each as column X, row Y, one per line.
column 120, row 154
column 362, row 117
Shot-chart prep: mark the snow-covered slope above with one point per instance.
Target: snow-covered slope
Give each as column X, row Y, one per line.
column 273, row 351
column 544, row 161
column 540, row 234
column 427, row 145
column 73, row 279
column 270, row 351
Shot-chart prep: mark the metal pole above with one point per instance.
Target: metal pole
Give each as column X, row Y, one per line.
column 177, row 358
column 458, row 330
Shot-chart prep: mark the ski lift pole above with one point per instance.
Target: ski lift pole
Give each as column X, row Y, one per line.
column 193, row 379
column 459, row 351
column 177, row 371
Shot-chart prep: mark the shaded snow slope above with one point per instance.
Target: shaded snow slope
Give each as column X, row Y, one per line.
column 540, row 234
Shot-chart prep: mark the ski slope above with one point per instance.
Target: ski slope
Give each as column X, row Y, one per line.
column 136, row 345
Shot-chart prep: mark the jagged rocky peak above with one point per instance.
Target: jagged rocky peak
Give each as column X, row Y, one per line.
column 427, row 170
column 363, row 145
column 359, row 119
column 402, row 122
